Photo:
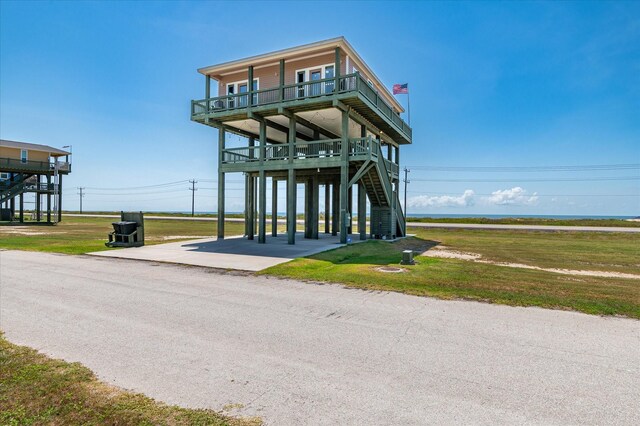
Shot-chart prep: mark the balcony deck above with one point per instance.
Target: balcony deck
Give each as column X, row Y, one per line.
column 42, row 167
column 350, row 89
column 322, row 154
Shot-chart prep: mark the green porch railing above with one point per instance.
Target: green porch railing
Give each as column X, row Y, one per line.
column 299, row 91
column 325, row 148
column 33, row 166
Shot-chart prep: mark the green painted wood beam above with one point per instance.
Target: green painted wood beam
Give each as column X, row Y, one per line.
column 221, row 181
column 362, row 211
column 361, row 172
column 344, row 177
column 315, row 207
column 274, row 207
column 262, row 207
column 327, row 206
column 291, row 206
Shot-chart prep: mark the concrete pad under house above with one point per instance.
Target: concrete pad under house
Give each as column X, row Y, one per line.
column 231, row 253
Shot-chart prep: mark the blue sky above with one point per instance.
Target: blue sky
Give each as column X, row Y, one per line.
column 492, row 84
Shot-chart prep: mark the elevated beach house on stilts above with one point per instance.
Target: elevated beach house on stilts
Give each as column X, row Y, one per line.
column 315, row 115
column 32, row 168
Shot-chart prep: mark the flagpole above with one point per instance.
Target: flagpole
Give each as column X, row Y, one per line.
column 409, row 105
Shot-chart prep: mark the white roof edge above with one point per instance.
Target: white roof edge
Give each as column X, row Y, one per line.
column 55, row 152
column 340, row 41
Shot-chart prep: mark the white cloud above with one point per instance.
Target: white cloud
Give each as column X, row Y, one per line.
column 465, row 200
column 514, row 196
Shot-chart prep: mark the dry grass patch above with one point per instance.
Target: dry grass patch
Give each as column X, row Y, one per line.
column 36, row 390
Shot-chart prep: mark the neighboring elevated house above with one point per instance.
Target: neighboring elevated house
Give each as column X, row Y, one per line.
column 32, row 168
column 313, row 114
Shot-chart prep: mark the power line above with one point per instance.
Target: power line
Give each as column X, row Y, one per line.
column 528, row 169
column 140, row 187
column 608, row 178
column 538, row 195
column 193, row 190
column 82, row 194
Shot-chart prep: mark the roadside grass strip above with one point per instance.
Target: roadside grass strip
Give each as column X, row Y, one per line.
column 35, row 389
column 359, row 265
column 79, row 235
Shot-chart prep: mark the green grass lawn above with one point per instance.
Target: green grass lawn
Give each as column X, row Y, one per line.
column 78, row 235
column 37, row 390
column 356, row 266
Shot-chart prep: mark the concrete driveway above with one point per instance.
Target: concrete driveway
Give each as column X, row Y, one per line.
column 230, row 253
column 304, row 354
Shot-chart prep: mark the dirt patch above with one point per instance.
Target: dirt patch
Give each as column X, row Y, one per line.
column 446, row 253
column 391, row 269
column 25, row 230
column 183, row 237
column 415, row 244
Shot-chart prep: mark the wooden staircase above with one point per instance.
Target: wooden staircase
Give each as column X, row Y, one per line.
column 20, row 185
column 385, row 203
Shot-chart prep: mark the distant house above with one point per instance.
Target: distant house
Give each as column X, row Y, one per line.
column 314, row 114
column 32, row 168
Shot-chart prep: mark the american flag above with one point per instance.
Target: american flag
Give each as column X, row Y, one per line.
column 401, row 89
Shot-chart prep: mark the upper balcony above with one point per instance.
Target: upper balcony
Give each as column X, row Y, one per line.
column 352, row 90
column 13, row 165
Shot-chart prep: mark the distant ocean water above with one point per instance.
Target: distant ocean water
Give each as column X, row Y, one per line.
column 489, row 216
column 530, row 216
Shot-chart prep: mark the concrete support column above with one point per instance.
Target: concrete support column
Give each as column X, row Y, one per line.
column 221, row 143
column 262, row 202
column 274, row 207
column 362, row 211
column 327, row 205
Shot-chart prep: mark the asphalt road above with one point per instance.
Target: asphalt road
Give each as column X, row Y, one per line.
column 299, row 354
column 551, row 228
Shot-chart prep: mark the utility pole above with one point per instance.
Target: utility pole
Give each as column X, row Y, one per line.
column 193, row 190
column 81, row 194
column 406, row 181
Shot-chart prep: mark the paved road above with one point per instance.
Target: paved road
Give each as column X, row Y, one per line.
column 426, row 225
column 300, row 354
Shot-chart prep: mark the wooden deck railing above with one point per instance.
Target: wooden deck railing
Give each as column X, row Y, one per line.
column 300, row 91
column 33, row 166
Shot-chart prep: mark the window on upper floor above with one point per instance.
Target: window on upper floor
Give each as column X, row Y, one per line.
column 24, row 156
column 239, row 87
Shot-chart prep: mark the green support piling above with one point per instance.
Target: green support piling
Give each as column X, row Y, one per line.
column 221, row 143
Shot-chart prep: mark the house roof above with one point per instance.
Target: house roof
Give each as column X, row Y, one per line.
column 292, row 52
column 54, row 152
